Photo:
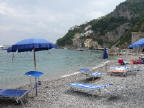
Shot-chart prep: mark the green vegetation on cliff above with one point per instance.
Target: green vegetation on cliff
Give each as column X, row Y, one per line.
column 107, row 24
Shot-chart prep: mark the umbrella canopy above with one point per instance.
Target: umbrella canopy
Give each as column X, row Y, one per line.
column 137, row 43
column 34, row 73
column 30, row 44
column 33, row 44
column 105, row 55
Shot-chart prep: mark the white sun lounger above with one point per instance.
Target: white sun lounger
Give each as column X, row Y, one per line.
column 90, row 74
column 133, row 68
column 118, row 69
column 123, row 69
column 94, row 74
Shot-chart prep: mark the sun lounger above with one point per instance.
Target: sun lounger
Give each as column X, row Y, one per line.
column 133, row 68
column 136, row 68
column 85, row 71
column 122, row 70
column 88, row 87
column 16, row 94
column 90, row 74
column 94, row 75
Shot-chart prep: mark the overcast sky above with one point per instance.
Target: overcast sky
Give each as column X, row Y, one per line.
column 48, row 19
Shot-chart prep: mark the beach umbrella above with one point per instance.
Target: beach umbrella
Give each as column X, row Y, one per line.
column 105, row 55
column 32, row 44
column 139, row 43
column 35, row 74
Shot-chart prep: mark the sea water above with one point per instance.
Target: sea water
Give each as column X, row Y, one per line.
column 53, row 63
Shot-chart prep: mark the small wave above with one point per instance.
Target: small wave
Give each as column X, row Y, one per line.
column 70, row 74
column 101, row 65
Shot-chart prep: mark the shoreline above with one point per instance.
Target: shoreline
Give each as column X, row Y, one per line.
column 103, row 64
column 93, row 68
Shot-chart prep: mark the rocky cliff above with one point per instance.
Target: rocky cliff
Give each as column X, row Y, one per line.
column 112, row 30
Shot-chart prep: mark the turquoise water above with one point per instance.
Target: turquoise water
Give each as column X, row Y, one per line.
column 54, row 63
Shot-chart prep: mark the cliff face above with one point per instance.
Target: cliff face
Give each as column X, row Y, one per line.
column 123, row 10
column 112, row 30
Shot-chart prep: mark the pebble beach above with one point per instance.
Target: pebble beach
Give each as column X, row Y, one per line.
column 126, row 92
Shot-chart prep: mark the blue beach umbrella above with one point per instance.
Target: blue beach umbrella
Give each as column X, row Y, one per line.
column 32, row 44
column 137, row 44
column 105, row 55
column 34, row 73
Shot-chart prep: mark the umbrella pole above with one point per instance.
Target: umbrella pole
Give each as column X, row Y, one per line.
column 35, row 69
column 34, row 59
column 36, row 85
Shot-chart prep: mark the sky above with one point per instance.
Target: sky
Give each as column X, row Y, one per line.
column 48, row 19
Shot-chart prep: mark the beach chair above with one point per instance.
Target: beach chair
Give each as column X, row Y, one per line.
column 123, row 70
column 120, row 70
column 17, row 94
column 94, row 75
column 88, row 87
column 90, row 74
column 85, row 71
column 14, row 94
column 133, row 68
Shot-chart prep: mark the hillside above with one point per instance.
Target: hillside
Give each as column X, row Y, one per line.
column 112, row 30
